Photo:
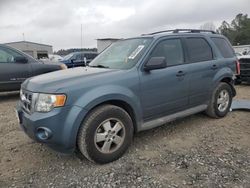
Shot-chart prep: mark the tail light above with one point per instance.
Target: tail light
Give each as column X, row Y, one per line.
column 237, row 63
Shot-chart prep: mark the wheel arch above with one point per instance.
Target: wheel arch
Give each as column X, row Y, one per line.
column 225, row 75
column 122, row 104
column 230, row 82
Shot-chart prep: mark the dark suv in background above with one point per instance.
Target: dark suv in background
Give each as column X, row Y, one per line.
column 135, row 84
column 16, row 66
column 78, row 59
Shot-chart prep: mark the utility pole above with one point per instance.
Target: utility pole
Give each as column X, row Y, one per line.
column 81, row 37
column 23, row 37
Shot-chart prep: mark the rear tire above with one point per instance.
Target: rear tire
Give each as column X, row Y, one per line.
column 221, row 101
column 105, row 134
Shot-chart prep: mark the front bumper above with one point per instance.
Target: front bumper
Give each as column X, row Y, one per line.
column 62, row 123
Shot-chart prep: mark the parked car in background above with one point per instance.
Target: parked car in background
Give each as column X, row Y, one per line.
column 244, row 75
column 16, row 66
column 53, row 58
column 134, row 85
column 238, row 54
column 77, row 59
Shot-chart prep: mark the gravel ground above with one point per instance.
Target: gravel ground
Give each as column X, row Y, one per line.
column 192, row 152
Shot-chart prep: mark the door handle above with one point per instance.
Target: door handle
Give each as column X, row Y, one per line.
column 180, row 73
column 214, row 67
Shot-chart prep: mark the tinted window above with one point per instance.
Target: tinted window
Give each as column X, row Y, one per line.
column 79, row 57
column 8, row 55
column 224, row 47
column 198, row 50
column 91, row 56
column 170, row 49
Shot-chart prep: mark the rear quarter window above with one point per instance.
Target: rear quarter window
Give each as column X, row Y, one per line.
column 198, row 49
column 224, row 47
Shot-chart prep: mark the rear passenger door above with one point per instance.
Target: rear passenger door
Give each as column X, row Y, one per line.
column 79, row 60
column 165, row 91
column 227, row 56
column 201, row 67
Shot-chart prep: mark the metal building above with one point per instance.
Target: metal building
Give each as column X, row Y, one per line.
column 36, row 50
column 103, row 43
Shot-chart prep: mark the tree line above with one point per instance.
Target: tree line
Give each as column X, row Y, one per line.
column 238, row 31
column 64, row 52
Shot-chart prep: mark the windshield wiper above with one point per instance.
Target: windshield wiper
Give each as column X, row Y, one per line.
column 99, row 66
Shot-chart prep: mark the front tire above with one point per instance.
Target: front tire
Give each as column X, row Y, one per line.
column 221, row 101
column 105, row 134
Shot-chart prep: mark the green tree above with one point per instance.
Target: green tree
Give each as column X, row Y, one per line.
column 238, row 32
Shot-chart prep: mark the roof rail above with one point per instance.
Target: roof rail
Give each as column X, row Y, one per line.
column 183, row 31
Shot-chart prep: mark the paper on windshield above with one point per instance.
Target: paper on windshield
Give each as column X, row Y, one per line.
column 136, row 52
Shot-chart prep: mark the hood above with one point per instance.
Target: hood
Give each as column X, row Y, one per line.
column 59, row 80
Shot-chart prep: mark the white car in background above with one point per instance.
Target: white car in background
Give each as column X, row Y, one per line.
column 53, row 58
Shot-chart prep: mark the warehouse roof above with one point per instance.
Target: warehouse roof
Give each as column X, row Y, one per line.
column 28, row 43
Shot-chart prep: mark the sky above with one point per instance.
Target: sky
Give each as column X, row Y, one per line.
column 58, row 22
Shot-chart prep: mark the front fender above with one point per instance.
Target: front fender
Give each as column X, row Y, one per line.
column 107, row 93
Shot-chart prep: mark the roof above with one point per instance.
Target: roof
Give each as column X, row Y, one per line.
column 181, row 32
column 28, row 42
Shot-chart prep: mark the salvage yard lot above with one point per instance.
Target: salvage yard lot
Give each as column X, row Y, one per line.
column 192, row 152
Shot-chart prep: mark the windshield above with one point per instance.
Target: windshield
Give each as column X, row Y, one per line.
column 67, row 57
column 123, row 54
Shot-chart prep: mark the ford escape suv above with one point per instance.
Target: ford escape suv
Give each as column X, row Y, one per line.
column 135, row 84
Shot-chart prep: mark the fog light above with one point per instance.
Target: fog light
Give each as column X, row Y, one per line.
column 43, row 133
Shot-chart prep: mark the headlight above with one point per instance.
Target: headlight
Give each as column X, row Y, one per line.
column 46, row 102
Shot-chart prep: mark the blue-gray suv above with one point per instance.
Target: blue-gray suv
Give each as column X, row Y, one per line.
column 135, row 84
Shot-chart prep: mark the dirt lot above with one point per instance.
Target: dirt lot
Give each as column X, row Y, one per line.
column 193, row 152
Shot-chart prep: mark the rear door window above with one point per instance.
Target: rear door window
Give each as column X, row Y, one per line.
column 171, row 49
column 224, row 47
column 79, row 57
column 198, row 49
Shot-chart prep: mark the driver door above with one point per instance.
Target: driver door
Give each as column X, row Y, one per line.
column 12, row 73
column 165, row 91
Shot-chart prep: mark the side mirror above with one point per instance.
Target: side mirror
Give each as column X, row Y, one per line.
column 73, row 60
column 21, row 59
column 155, row 63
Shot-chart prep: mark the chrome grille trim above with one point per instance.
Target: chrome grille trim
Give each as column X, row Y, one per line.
column 28, row 100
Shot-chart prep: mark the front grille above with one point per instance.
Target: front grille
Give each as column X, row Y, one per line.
column 244, row 64
column 26, row 100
